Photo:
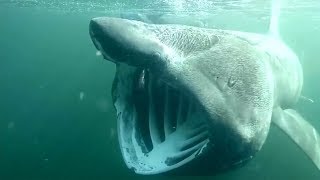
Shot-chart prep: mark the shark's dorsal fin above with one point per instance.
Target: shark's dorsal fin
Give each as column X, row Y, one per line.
column 274, row 18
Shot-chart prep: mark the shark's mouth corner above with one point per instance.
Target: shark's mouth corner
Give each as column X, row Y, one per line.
column 160, row 128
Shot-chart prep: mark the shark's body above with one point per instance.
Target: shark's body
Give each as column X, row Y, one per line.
column 186, row 95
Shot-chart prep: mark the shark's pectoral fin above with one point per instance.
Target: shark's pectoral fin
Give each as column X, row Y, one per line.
column 300, row 131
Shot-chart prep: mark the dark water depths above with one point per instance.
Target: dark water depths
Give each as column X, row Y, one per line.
column 56, row 115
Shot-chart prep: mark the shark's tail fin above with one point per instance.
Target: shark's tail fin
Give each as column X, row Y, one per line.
column 274, row 20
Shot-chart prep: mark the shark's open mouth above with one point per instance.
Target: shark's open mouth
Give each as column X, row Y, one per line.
column 160, row 128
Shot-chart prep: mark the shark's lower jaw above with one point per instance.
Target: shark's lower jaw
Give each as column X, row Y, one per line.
column 161, row 128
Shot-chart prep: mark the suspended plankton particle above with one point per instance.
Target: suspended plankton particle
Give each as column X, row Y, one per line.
column 11, row 125
column 98, row 53
column 103, row 104
column 81, row 95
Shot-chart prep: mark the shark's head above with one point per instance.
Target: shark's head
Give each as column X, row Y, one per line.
column 185, row 95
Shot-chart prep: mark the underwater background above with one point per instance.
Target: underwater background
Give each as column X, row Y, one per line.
column 57, row 119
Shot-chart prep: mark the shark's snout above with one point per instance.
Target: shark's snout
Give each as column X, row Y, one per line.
column 125, row 41
column 105, row 35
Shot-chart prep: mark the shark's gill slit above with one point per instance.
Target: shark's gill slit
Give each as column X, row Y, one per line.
column 194, row 141
column 155, row 111
column 170, row 114
column 182, row 110
column 141, row 102
column 166, row 116
column 181, row 155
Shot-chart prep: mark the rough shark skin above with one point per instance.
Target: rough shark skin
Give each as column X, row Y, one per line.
column 186, row 95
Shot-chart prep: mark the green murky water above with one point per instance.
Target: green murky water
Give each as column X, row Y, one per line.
column 56, row 115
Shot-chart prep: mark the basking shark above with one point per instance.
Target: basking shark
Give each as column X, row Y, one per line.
column 187, row 96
